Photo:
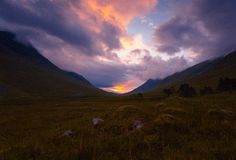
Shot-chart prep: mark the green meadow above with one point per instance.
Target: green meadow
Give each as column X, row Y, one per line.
column 203, row 127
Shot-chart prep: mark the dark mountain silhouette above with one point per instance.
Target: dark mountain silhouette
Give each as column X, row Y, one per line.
column 147, row 86
column 79, row 77
column 25, row 72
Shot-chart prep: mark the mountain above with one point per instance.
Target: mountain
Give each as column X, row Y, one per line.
column 25, row 72
column 206, row 73
column 79, row 78
column 147, row 86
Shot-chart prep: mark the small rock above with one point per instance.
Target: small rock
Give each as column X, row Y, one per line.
column 137, row 124
column 69, row 133
column 97, row 121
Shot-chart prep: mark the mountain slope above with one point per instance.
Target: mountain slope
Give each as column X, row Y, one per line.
column 206, row 73
column 79, row 78
column 147, row 86
column 24, row 72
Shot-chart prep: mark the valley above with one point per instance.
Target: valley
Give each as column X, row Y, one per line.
column 47, row 113
column 170, row 128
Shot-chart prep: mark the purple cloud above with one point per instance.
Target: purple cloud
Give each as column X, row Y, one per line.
column 64, row 38
column 206, row 27
column 55, row 19
column 87, row 41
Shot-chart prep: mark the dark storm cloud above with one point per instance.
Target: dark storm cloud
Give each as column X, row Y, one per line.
column 207, row 27
column 44, row 16
column 54, row 18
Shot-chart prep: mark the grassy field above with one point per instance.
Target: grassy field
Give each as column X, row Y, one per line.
column 172, row 128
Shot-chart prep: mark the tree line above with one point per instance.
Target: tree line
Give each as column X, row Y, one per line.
column 186, row 90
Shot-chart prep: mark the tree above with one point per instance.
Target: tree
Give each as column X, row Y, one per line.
column 185, row 90
column 169, row 91
column 226, row 84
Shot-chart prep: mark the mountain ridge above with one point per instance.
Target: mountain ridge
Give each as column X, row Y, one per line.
column 145, row 87
column 25, row 72
column 209, row 68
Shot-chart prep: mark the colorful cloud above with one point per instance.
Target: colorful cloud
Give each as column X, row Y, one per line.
column 118, row 44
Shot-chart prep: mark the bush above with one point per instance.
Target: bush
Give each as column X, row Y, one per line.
column 185, row 90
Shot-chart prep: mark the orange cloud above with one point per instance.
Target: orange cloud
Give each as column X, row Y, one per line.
column 124, row 11
column 107, row 20
column 96, row 14
column 118, row 12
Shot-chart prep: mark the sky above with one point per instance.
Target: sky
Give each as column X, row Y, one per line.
column 119, row 44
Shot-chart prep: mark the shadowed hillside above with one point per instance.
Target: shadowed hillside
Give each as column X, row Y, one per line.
column 147, row 86
column 206, row 73
column 25, row 72
column 110, row 127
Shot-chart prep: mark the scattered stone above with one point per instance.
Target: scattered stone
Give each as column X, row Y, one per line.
column 69, row 133
column 97, row 122
column 138, row 124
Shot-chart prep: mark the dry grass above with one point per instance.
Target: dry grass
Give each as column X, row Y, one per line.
column 173, row 128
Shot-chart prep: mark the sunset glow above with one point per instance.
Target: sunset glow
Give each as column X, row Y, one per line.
column 111, row 42
column 122, row 88
column 117, row 79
